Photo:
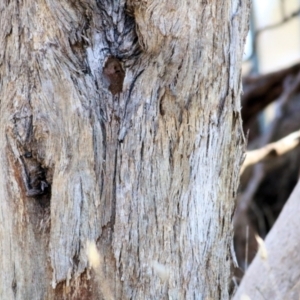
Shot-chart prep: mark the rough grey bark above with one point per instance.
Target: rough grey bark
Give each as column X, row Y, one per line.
column 149, row 173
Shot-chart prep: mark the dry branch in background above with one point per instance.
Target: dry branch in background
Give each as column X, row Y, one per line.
column 259, row 171
column 261, row 90
column 271, row 150
column 269, row 172
column 276, row 275
column 290, row 87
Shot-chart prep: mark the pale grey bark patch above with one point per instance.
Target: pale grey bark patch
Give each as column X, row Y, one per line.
column 114, row 37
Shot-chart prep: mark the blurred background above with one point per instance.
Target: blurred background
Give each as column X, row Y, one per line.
column 271, row 120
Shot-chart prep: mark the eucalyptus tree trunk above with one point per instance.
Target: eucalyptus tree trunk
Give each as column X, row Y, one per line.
column 120, row 125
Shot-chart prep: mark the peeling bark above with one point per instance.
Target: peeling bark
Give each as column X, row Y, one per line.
column 147, row 168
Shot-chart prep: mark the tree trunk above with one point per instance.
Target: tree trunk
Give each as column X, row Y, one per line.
column 146, row 166
column 274, row 273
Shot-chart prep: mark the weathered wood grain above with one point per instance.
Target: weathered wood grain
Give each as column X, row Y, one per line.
column 148, row 172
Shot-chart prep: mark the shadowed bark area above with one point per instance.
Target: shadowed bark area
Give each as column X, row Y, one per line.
column 120, row 124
